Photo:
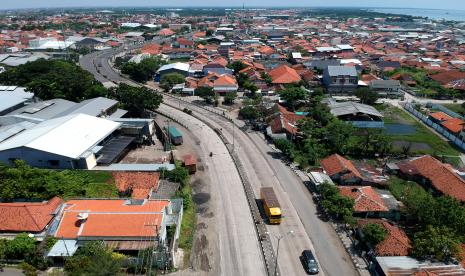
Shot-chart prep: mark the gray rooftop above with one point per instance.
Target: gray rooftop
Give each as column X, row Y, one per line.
column 93, row 107
column 44, row 110
column 385, row 83
column 347, row 108
column 342, row 71
column 9, row 101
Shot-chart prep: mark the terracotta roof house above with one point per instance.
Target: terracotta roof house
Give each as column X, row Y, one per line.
column 454, row 125
column 282, row 124
column 284, row 75
column 366, row 198
column 432, row 173
column 439, row 117
column 139, row 184
column 30, row 217
column 340, row 169
column 166, row 32
column 124, row 225
column 450, row 79
column 396, row 242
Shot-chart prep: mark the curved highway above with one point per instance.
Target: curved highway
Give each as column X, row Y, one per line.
column 262, row 170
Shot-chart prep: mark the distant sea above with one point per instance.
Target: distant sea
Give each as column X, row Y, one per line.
column 456, row 15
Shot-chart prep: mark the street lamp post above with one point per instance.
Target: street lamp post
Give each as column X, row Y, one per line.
column 279, row 238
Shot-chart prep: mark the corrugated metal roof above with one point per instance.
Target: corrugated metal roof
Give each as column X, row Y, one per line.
column 8, row 101
column 347, row 108
column 66, row 136
column 342, row 71
column 177, row 65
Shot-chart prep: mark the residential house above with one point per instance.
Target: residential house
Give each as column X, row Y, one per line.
column 127, row 226
column 387, row 88
column 29, row 217
column 435, row 175
column 284, row 75
column 395, row 243
column 369, row 203
column 340, row 79
column 283, row 124
column 139, row 185
column 341, row 170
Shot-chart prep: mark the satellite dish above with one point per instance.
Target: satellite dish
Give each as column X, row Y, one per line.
column 83, row 216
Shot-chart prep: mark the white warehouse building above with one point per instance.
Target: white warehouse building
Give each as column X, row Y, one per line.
column 69, row 142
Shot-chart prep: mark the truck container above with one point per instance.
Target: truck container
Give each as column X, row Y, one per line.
column 271, row 205
column 175, row 135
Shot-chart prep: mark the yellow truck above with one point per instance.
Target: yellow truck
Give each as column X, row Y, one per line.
column 271, row 205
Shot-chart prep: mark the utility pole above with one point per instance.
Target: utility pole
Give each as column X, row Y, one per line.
column 279, row 238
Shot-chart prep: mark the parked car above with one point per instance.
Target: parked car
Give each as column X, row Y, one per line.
column 309, row 262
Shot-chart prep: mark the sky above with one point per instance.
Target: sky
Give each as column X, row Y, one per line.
column 433, row 4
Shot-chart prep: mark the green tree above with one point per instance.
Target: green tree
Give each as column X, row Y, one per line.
column 205, row 93
column 94, row 259
column 49, row 79
column 339, row 134
column 366, row 96
column 374, row 233
column 136, row 100
column 292, row 96
column 285, row 146
column 209, row 32
column 237, row 66
column 143, row 71
column 230, row 97
column 439, row 243
column 20, row 246
column 267, row 78
column 168, row 81
column 249, row 112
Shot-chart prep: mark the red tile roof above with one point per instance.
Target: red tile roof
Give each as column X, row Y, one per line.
column 454, row 125
column 442, row 176
column 284, row 74
column 141, row 183
column 336, row 164
column 440, row 116
column 110, row 218
column 396, row 242
column 27, row 217
column 166, row 32
column 366, row 198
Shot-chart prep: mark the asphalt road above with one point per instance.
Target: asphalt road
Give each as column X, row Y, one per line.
column 239, row 250
column 264, row 170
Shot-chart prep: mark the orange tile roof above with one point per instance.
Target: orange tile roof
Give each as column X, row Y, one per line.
column 440, row 116
column 141, row 183
column 336, row 164
column 454, row 125
column 396, row 242
column 166, row 32
column 441, row 176
column 284, row 74
column 26, row 216
column 225, row 80
column 110, row 218
column 366, row 198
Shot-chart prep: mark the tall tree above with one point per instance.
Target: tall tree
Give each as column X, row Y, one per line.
column 366, row 96
column 292, row 96
column 168, row 81
column 136, row 100
column 374, row 233
column 438, row 243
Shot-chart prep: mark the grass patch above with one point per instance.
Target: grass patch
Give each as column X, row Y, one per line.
column 101, row 184
column 398, row 187
column 101, row 190
column 395, row 115
column 457, row 108
column 186, row 236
